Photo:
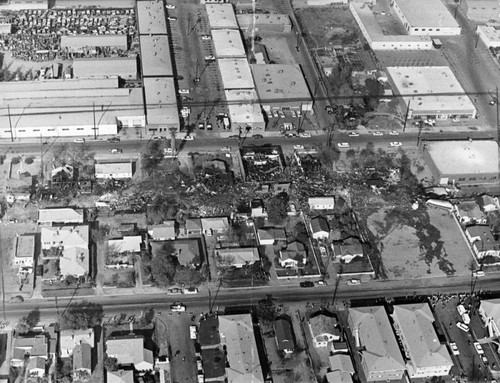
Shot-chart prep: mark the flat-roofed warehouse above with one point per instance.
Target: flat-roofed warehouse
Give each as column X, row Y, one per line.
column 78, row 43
column 228, row 43
column 427, row 89
column 235, row 74
column 464, row 163
column 155, row 56
column 221, row 16
column 281, row 86
column 264, row 22
column 245, row 112
column 151, row 18
column 426, row 17
column 161, row 105
column 71, row 107
column 124, row 67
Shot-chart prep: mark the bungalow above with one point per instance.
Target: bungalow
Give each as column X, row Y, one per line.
column 24, row 250
column 257, row 209
column 36, row 366
column 193, row 226
column 482, row 241
column 188, row 252
column 163, row 232
column 82, row 360
column 270, row 235
column 470, row 213
column 294, row 256
column 114, row 170
column 125, row 245
column 238, row 256
column 323, row 329
column 129, row 350
column 69, row 339
column 120, row 376
column 32, row 347
column 488, row 203
column 321, row 203
column 320, row 228
column 214, row 225
column 338, row 346
column 60, row 215
column 349, row 249
column 283, row 336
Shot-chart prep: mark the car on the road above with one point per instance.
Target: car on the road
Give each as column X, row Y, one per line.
column 177, row 307
column 430, row 122
column 306, row 284
column 156, row 138
column 455, row 120
column 393, row 133
column 209, row 126
column 201, row 125
column 321, row 282
column 113, row 140
column 463, row 326
column 79, row 140
column 170, row 6
column 210, row 58
column 478, row 348
column 234, row 137
column 171, row 18
column 192, row 332
column 353, row 134
column 454, row 348
column 343, row 144
column 484, row 359
column 492, row 102
column 184, row 91
column 225, row 149
column 206, row 37
column 395, row 143
column 353, row 282
column 290, row 134
column 116, row 151
column 305, row 135
column 257, row 136
column 188, row 138
column 190, row 290
column 298, row 147
column 377, row 133
column 478, row 273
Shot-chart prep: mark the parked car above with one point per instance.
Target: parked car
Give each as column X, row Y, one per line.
column 478, row 273
column 454, row 348
column 210, row 58
column 184, row 91
column 306, row 284
column 378, row 133
column 192, row 332
column 455, row 120
column 177, row 307
column 191, row 290
column 430, row 122
column 170, row 6
column 171, row 18
column 201, row 125
column 225, row 149
column 395, row 143
column 258, row 136
column 305, row 135
column 393, row 133
column 156, row 138
column 321, row 282
column 188, row 138
column 484, row 359
column 116, row 151
column 206, row 37
column 209, row 126
column 478, row 348
column 281, row 114
column 353, row 282
column 463, row 327
column 343, row 144
column 79, row 140
column 353, row 134
column 114, row 140
column 298, row 147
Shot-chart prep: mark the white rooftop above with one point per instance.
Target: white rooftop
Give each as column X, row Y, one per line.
column 161, row 101
column 235, row 74
column 151, row 17
column 129, row 244
column 155, row 55
column 417, row 85
column 228, row 43
column 61, row 215
column 240, row 255
column 490, row 31
column 464, row 157
column 221, row 16
column 427, row 13
column 244, row 107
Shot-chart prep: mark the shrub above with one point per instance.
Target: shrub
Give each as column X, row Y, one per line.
column 29, row 160
column 15, row 160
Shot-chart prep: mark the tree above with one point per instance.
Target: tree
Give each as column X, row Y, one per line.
column 148, row 317
column 29, row 321
column 110, row 363
column 152, row 157
column 277, row 208
column 164, row 264
column 82, row 315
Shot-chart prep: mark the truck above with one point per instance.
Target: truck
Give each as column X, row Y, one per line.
column 437, row 43
column 226, row 122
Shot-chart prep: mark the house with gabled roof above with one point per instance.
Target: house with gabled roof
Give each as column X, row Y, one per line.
column 238, row 256
column 193, row 226
column 130, row 351
column 162, row 232
column 489, row 310
column 324, row 329
column 470, row 213
column 426, row 356
column 270, row 235
column 120, row 376
column 82, row 360
column 284, row 336
column 374, row 338
column 69, row 339
column 36, row 366
column 188, row 252
column 294, row 256
column 214, row 225
column 24, row 250
column 321, row 203
column 32, row 347
column 483, row 242
column 320, row 228
column 348, row 250
column 60, row 215
column 126, row 245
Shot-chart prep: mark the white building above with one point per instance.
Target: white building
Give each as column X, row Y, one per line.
column 426, row 17
column 236, row 74
column 244, row 111
column 238, row 256
column 427, row 357
column 24, row 250
column 114, row 170
column 489, row 35
column 321, row 203
column 481, row 10
column 228, row 43
column 489, row 310
column 221, row 16
column 417, row 86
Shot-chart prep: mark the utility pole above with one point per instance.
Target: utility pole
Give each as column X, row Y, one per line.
column 498, row 123
column 406, row 116
column 3, row 282
column 10, row 124
column 95, row 131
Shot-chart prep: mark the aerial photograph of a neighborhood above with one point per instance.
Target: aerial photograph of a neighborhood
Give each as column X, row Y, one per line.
column 249, row 191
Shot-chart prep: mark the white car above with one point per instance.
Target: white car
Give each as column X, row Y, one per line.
column 454, row 348
column 463, row 327
column 184, row 91
column 456, row 120
column 115, row 151
column 305, row 135
column 206, row 37
column 170, row 6
column 178, row 307
column 225, row 149
column 292, row 112
column 188, row 138
column 378, row 133
column 478, row 348
column 210, row 58
column 298, row 147
column 478, row 273
column 343, row 144
column 190, row 290
column 170, row 18
column 353, row 134
column 354, row 282
column 430, row 122
column 192, row 332
column 79, row 140
column 393, row 133
column 395, row 143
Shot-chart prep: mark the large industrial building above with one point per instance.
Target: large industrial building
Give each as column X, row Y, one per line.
column 161, row 105
column 463, row 163
column 481, row 10
column 425, row 355
column 123, row 67
column 489, row 35
column 221, row 16
column 245, row 112
column 378, row 39
column 381, row 358
column 155, row 56
column 281, row 86
column 235, row 74
column 431, row 92
column 426, row 17
column 17, row 5
column 264, row 22
column 228, row 43
column 151, row 18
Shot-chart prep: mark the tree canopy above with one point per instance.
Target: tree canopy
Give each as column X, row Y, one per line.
column 29, row 321
column 163, row 265
column 277, row 208
column 82, row 315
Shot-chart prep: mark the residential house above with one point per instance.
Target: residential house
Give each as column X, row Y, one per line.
column 284, row 336
column 188, row 252
column 238, row 256
column 122, row 250
column 60, row 215
column 257, row 209
column 214, row 225
column 212, row 353
column 321, row 203
column 129, row 351
column 470, row 213
column 341, row 369
column 53, row 334
column 36, row 366
column 31, row 347
column 114, row 170
column 488, row 203
column 337, row 347
column 281, row 187
column 483, row 243
column 163, row 232
column 323, row 329
column 237, row 335
column 294, row 256
column 63, row 173
column 489, row 310
column 24, row 250
column 120, row 376
column 270, row 235
column 374, row 338
column 69, row 339
column 338, row 376
column 82, row 360
column 193, row 226
column 69, row 247
column 425, row 355
column 348, row 250
column 494, row 222
column 320, row 228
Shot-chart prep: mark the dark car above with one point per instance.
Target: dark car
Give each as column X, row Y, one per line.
column 258, row 136
column 307, row 284
column 114, row 139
